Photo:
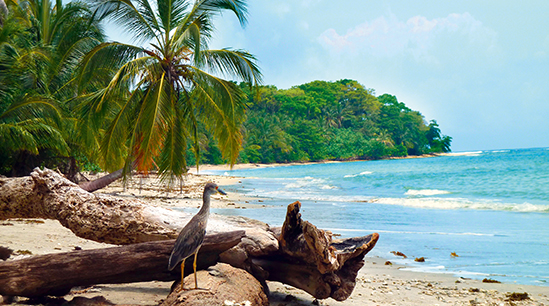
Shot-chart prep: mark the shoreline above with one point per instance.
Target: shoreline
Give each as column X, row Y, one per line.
column 226, row 167
column 377, row 283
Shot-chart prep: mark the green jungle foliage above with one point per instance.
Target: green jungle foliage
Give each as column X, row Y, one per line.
column 340, row 120
column 52, row 112
column 322, row 120
column 41, row 45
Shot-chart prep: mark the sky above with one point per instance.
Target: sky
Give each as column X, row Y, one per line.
column 479, row 68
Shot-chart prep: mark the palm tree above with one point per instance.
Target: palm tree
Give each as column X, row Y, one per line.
column 40, row 45
column 437, row 141
column 385, row 138
column 53, row 40
column 267, row 138
column 163, row 89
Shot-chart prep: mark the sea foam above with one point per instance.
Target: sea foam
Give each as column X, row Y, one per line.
column 426, row 192
column 474, row 153
column 350, row 230
column 459, row 203
column 359, row 174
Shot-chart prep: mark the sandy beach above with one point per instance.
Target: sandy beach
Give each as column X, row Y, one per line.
column 377, row 284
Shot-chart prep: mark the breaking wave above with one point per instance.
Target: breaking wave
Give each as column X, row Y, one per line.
column 426, row 192
column 457, row 203
column 360, row 174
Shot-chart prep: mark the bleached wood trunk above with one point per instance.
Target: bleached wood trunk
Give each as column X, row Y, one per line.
column 46, row 194
column 56, row 274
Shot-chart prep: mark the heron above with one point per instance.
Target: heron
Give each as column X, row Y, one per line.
column 192, row 235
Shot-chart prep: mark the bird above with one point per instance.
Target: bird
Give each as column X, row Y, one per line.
column 192, row 235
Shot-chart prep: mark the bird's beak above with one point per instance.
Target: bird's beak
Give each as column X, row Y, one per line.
column 221, row 191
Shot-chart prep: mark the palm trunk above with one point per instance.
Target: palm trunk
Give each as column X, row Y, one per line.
column 3, row 11
column 101, row 182
column 106, row 180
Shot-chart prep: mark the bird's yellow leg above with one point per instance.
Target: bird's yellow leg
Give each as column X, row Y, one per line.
column 182, row 274
column 194, row 267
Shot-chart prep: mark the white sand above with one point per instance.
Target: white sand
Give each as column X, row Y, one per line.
column 377, row 283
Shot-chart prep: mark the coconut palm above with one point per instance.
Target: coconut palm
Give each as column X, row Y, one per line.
column 267, row 138
column 166, row 83
column 41, row 43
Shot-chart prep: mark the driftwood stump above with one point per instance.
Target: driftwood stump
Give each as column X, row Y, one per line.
column 309, row 259
column 222, row 283
column 298, row 254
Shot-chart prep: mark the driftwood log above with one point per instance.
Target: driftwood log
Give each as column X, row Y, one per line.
column 298, row 254
column 56, row 274
column 46, row 194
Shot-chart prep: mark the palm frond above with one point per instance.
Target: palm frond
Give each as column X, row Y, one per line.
column 213, row 7
column 193, row 32
column 232, row 63
column 114, row 145
column 171, row 12
column 15, row 137
column 172, row 162
column 31, row 107
column 138, row 20
column 186, row 103
column 153, row 122
column 47, row 136
column 31, row 63
column 109, row 56
column 32, row 135
column 221, row 106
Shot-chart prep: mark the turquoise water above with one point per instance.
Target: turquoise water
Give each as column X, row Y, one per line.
column 489, row 207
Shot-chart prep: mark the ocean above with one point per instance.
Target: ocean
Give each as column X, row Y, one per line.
column 490, row 208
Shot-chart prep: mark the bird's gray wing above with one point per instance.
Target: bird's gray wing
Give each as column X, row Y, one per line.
column 188, row 241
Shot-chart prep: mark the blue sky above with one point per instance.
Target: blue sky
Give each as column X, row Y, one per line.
column 480, row 68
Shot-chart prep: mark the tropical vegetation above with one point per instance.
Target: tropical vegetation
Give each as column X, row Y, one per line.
column 339, row 120
column 41, row 45
column 71, row 100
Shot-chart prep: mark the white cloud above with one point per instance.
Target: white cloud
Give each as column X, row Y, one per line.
column 280, row 9
column 309, row 3
column 543, row 51
column 304, row 25
column 422, row 38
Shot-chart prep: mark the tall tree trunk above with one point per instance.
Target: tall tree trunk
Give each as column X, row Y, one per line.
column 3, row 11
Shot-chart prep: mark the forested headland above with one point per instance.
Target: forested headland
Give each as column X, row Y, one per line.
column 323, row 120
